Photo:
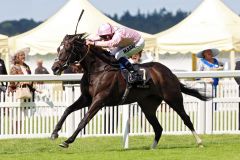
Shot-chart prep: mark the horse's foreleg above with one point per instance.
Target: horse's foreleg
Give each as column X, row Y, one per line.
column 80, row 103
column 93, row 109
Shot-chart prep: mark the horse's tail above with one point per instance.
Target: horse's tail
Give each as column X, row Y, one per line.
column 193, row 92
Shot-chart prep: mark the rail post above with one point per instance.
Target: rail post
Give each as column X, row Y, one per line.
column 201, row 113
column 125, row 125
column 70, row 121
column 209, row 112
column 201, row 117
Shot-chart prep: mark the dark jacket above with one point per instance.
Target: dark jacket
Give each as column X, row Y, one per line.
column 2, row 67
column 3, row 71
column 237, row 79
column 41, row 70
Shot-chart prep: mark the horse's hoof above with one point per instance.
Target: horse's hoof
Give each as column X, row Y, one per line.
column 54, row 136
column 200, row 146
column 154, row 145
column 64, row 145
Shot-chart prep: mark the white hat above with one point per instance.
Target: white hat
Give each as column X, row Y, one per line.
column 24, row 50
column 214, row 51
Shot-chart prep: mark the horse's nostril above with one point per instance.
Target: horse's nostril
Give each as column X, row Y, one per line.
column 54, row 68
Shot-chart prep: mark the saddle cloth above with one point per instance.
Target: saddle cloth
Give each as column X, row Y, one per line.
column 142, row 71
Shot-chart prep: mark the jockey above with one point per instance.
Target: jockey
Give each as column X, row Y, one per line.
column 122, row 42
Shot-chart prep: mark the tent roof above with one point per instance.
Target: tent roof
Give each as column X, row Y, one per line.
column 46, row 37
column 3, row 41
column 3, row 37
column 211, row 25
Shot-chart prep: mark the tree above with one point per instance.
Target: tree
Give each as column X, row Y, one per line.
column 14, row 27
column 154, row 22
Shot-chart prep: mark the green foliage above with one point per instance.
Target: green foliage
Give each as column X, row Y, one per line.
column 14, row 27
column 152, row 22
column 217, row 147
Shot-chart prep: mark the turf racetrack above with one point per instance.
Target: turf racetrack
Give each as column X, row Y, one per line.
column 219, row 147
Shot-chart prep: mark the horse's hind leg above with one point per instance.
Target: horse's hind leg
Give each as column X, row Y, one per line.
column 80, row 103
column 149, row 107
column 177, row 105
column 188, row 123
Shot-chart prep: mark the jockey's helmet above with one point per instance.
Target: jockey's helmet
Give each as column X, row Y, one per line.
column 105, row 29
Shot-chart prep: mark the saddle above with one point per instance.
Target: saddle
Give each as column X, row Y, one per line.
column 141, row 71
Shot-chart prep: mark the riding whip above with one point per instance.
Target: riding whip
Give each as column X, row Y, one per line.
column 79, row 20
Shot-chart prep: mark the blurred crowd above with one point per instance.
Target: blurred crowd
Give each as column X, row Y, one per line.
column 20, row 67
column 207, row 62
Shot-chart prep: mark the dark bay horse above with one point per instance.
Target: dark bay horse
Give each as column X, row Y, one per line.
column 102, row 85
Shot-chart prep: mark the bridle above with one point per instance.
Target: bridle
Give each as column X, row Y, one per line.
column 88, row 49
column 74, row 51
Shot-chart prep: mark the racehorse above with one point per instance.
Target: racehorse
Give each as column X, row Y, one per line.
column 102, row 85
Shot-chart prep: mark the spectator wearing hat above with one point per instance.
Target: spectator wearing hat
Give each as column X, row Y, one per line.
column 208, row 62
column 20, row 67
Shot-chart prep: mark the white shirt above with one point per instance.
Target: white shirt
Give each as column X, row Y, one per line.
column 24, row 70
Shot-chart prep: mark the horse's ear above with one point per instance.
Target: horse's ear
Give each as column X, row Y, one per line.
column 85, row 35
column 65, row 36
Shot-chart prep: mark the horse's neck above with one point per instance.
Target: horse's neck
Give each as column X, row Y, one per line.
column 93, row 64
column 98, row 60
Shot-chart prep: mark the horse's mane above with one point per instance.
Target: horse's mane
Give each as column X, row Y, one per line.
column 105, row 56
column 102, row 54
column 99, row 52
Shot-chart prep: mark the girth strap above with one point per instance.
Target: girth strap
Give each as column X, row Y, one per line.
column 126, row 92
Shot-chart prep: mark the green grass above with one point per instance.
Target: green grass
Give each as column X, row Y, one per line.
column 220, row 147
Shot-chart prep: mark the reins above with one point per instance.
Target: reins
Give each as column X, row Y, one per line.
column 85, row 54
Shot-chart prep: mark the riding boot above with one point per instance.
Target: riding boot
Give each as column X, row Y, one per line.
column 134, row 75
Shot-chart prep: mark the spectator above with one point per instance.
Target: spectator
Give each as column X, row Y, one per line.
column 237, row 79
column 237, row 67
column 3, row 86
column 20, row 67
column 40, row 69
column 209, row 63
column 3, row 71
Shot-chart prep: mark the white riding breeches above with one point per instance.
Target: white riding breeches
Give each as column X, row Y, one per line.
column 129, row 50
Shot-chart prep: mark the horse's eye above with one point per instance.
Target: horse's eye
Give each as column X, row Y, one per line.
column 61, row 47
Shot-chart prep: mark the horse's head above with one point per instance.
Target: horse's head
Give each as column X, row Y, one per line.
column 69, row 52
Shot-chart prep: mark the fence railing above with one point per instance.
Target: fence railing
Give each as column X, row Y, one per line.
column 37, row 117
